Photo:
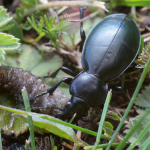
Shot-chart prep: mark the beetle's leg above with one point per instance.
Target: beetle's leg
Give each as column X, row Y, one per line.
column 89, row 121
column 82, row 33
column 64, row 69
column 124, row 93
column 53, row 88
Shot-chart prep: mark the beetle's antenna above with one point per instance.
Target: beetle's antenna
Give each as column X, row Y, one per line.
column 38, row 95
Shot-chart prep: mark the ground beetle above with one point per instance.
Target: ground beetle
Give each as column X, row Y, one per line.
column 109, row 49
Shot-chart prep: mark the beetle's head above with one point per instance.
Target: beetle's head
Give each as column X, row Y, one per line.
column 75, row 105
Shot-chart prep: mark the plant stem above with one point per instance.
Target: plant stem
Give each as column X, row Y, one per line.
column 60, row 4
column 141, row 135
column 28, row 109
column 145, row 145
column 133, row 129
column 102, row 120
column 100, row 146
column 131, row 103
column 27, row 145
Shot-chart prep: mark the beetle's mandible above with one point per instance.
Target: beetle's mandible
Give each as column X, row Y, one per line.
column 109, row 49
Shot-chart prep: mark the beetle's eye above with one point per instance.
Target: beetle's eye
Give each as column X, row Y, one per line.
column 67, row 104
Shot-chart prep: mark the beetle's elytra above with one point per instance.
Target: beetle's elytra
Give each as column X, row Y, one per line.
column 110, row 47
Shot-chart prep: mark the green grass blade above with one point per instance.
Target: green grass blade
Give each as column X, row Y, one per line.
column 100, row 146
column 52, row 142
column 123, row 143
column 27, row 145
column 28, row 109
column 131, row 103
column 108, row 98
column 141, row 135
column 145, row 145
column 51, row 119
column 131, row 3
column 142, row 44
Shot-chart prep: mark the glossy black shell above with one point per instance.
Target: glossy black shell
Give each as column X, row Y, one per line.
column 110, row 47
column 89, row 88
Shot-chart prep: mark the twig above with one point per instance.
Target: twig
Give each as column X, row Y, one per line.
column 146, row 35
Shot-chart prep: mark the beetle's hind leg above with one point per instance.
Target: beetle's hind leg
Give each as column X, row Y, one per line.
column 64, row 69
column 126, row 97
column 82, row 33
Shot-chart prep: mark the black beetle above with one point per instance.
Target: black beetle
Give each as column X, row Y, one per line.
column 109, row 49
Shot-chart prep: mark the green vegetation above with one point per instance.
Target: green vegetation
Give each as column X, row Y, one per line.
column 40, row 37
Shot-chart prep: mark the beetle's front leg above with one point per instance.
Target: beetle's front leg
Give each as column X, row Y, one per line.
column 53, row 88
column 82, row 33
column 64, row 69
